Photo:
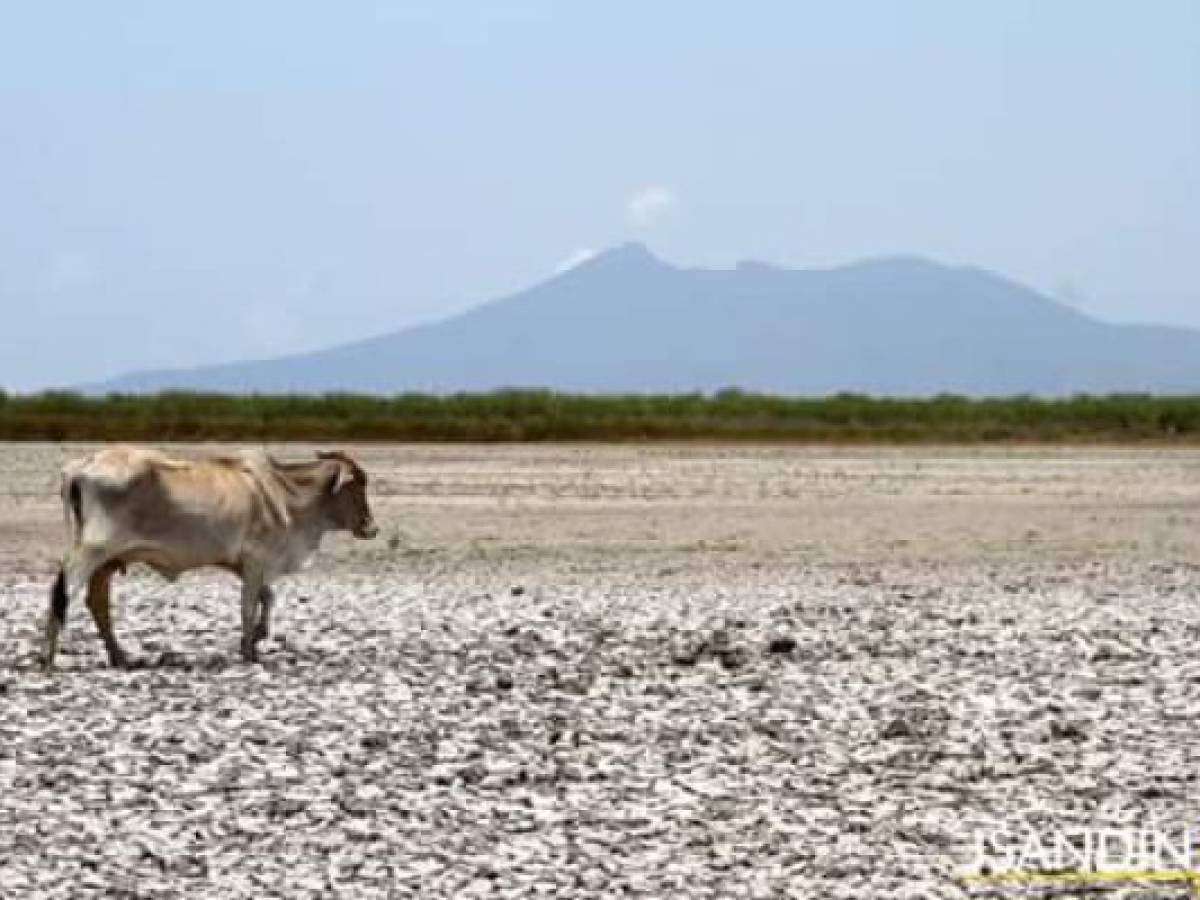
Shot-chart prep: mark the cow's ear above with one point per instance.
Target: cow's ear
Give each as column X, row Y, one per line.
column 344, row 476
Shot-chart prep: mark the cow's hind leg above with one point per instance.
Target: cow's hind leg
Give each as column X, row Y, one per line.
column 99, row 591
column 76, row 572
column 266, row 600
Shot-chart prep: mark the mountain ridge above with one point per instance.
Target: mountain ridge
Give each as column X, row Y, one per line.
column 625, row 320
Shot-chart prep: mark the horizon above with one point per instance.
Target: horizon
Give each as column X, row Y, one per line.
column 190, row 186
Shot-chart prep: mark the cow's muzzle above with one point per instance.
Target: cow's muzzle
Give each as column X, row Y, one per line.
column 367, row 531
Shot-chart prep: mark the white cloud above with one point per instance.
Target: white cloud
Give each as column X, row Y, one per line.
column 575, row 258
column 648, row 205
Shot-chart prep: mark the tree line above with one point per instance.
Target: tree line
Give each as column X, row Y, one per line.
column 539, row 415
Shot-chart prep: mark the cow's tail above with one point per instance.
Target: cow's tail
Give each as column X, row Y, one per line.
column 59, row 598
column 56, row 617
column 60, row 595
column 72, row 501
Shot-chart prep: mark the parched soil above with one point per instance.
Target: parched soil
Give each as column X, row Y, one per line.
column 659, row 671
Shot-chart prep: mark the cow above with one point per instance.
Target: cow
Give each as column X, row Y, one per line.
column 248, row 514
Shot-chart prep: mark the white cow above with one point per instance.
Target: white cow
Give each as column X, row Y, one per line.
column 249, row 514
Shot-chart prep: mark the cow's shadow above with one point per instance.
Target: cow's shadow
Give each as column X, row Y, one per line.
column 213, row 661
column 166, row 660
column 153, row 661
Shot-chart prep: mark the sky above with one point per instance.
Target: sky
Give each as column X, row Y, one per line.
column 202, row 182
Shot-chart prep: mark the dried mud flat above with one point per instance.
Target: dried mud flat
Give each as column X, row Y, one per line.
column 658, row 671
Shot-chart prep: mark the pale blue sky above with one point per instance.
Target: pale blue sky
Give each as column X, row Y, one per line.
column 186, row 183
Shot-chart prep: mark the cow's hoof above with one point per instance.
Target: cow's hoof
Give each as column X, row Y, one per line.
column 249, row 652
column 261, row 634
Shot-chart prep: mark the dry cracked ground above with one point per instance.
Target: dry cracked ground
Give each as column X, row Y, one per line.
column 657, row 671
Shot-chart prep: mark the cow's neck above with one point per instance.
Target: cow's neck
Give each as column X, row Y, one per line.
column 307, row 495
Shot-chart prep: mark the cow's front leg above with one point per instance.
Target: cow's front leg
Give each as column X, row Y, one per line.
column 252, row 587
column 266, row 601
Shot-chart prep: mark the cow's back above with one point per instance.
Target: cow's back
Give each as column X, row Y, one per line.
column 172, row 514
column 121, row 466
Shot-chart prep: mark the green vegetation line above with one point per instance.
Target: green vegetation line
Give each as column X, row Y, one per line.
column 532, row 415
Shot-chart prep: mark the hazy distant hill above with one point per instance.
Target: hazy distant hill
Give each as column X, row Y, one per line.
column 627, row 321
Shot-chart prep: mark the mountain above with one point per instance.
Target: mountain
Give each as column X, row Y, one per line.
column 625, row 321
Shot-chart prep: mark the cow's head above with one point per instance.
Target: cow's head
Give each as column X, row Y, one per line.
column 348, row 506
